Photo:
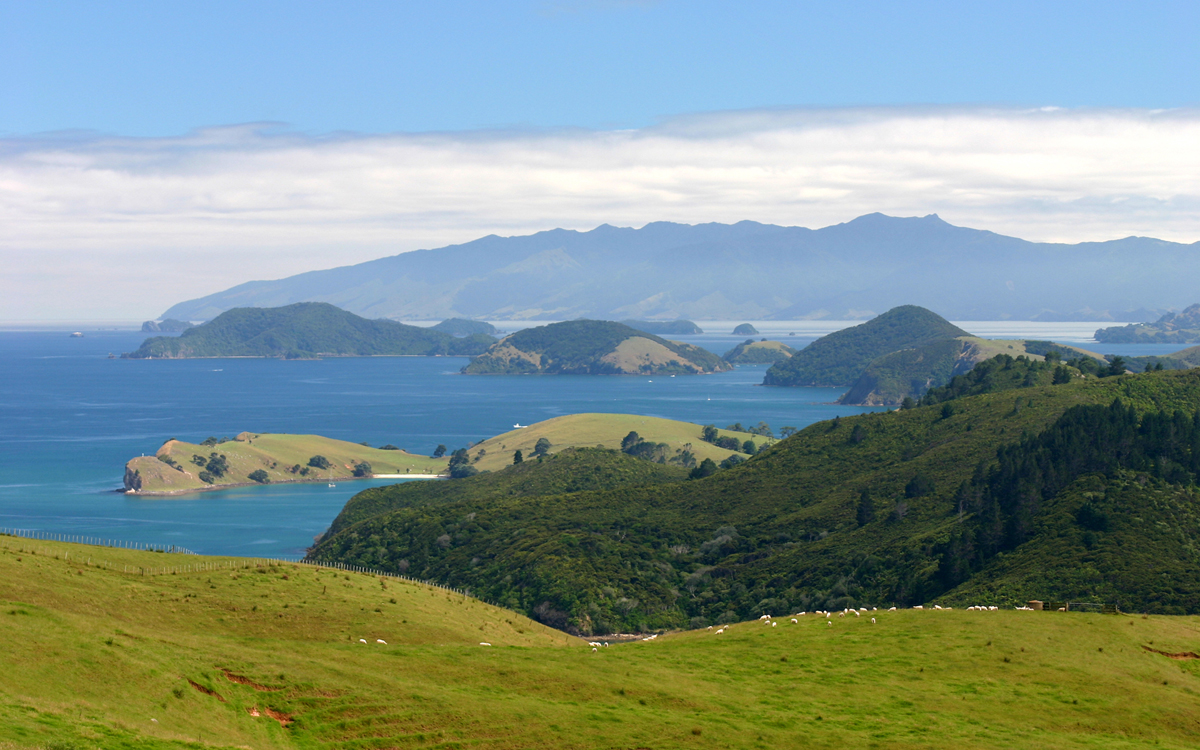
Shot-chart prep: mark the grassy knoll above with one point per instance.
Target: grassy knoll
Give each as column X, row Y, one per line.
column 283, row 458
column 590, row 430
column 95, row 657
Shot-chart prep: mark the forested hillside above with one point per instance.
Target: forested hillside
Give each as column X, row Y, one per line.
column 1082, row 490
column 305, row 329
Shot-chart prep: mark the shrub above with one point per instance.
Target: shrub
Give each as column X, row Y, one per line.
column 260, row 476
column 207, row 478
column 389, row 447
column 362, row 469
column 319, row 462
column 543, row 446
column 217, row 465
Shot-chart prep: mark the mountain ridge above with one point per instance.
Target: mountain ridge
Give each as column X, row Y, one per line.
column 747, row 271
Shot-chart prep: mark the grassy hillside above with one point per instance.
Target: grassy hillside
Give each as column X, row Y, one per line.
column 841, row 357
column 607, row 430
column 592, row 347
column 751, row 352
column 305, row 329
column 288, row 636
column 176, row 466
column 869, row 509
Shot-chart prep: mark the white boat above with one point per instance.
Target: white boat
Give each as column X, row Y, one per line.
column 77, row 335
column 331, row 484
column 519, row 426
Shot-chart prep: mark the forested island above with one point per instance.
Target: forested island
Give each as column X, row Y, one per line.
column 1173, row 328
column 306, row 330
column 592, row 347
column 764, row 352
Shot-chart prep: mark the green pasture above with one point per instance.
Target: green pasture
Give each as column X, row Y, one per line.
column 236, row 653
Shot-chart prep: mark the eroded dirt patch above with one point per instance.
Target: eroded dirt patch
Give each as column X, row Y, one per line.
column 206, row 691
column 1179, row 655
column 232, row 677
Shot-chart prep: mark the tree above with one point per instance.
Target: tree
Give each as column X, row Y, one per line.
column 947, row 410
column 319, row 462
column 1116, row 366
column 749, row 447
column 1061, row 376
column 630, row 440
column 732, row 461
column 439, row 451
column 858, row 434
column 543, row 447
column 217, row 465
column 707, row 468
column 462, row 471
column 729, row 443
column 787, row 432
column 362, row 469
column 908, row 403
column 389, row 447
column 518, row 457
column 207, row 478
column 866, row 508
column 260, row 476
column 709, row 434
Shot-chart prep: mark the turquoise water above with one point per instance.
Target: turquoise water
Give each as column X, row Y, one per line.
column 70, row 417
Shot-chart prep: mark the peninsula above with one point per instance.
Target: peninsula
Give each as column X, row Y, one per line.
column 592, row 347
column 1172, row 328
column 306, row 330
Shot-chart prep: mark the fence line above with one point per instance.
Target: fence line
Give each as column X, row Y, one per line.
column 239, row 563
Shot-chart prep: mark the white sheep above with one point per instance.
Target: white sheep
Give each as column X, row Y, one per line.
column 710, row 627
column 872, row 620
column 795, row 621
column 362, row 640
column 856, row 614
column 774, row 624
column 892, row 609
column 829, row 623
column 919, row 607
column 481, row 643
column 593, row 649
column 380, row 640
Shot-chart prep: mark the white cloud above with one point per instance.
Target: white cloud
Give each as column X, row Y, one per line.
column 98, row 226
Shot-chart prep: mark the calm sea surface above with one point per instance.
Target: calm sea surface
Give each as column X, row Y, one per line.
column 70, row 417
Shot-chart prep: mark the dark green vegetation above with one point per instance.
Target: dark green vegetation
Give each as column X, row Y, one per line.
column 234, row 653
column 782, row 531
column 1001, row 373
column 1172, row 328
column 170, row 325
column 841, row 357
column 892, row 377
column 751, row 352
column 592, row 347
column 464, row 327
column 570, row 470
column 665, row 327
column 745, row 329
column 305, row 329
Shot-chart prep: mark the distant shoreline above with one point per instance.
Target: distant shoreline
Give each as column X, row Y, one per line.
column 212, row 487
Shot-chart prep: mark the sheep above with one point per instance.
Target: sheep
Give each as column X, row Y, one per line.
column 774, row 624
column 765, row 617
column 380, row 640
column 856, row 614
column 593, row 649
column 710, row 627
column 937, row 606
column 841, row 614
column 919, row 607
column 795, row 621
column 362, row 640
column 872, row 620
column 829, row 623
column 481, row 643
column 892, row 609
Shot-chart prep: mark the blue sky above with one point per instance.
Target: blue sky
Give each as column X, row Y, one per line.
column 164, row 68
column 152, row 152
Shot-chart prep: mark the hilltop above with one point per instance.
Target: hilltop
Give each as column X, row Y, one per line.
column 839, row 358
column 764, row 352
column 747, row 271
column 592, row 347
column 906, row 507
column 305, row 329
column 1172, row 328
column 186, row 467
column 462, row 327
column 230, row 652
column 166, row 326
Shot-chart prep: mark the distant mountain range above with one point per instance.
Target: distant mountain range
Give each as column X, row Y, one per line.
column 748, row 271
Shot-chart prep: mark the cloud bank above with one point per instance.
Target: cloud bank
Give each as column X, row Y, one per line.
column 95, row 226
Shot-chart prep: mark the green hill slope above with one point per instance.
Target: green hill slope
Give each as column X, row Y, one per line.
column 592, row 347
column 305, row 329
column 792, row 528
column 225, row 656
column 841, row 357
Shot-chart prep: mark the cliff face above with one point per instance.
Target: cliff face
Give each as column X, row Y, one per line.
column 133, row 479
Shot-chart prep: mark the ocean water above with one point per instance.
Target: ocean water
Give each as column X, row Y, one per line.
column 70, row 418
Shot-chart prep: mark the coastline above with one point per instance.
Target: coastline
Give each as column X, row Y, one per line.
column 232, row 485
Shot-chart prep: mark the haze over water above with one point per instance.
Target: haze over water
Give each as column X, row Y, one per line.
column 70, row 418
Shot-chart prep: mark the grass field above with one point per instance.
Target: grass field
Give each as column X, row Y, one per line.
column 267, row 657
column 590, row 430
column 273, row 454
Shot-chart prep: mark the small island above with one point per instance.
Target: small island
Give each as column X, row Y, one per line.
column 745, row 329
column 464, row 327
column 764, row 352
column 592, row 347
column 220, row 463
column 306, row 330
column 665, row 327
